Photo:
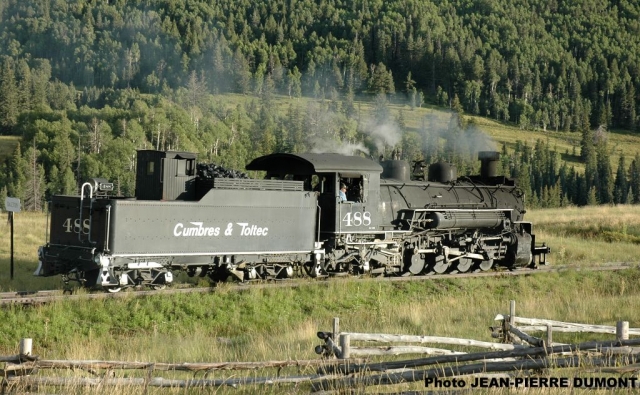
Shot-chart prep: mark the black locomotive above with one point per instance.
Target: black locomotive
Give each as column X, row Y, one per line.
column 293, row 222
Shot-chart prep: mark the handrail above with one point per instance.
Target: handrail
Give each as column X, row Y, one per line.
column 106, row 239
column 80, row 230
column 81, row 226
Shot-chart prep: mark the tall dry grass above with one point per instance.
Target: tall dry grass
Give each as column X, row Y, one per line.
column 29, row 232
column 281, row 323
column 589, row 235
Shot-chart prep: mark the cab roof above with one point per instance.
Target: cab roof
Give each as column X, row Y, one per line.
column 313, row 163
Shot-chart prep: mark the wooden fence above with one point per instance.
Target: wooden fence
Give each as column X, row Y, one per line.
column 518, row 351
column 23, row 369
column 347, row 360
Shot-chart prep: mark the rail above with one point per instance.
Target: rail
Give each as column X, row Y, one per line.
column 41, row 297
column 251, row 184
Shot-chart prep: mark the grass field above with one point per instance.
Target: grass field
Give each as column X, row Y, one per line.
column 281, row 324
column 278, row 324
column 8, row 144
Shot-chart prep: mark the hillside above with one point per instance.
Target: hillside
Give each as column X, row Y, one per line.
column 558, row 64
column 85, row 84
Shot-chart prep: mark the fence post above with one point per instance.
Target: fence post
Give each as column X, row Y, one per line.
column 336, row 328
column 549, row 335
column 622, row 330
column 512, row 312
column 345, row 346
column 26, row 346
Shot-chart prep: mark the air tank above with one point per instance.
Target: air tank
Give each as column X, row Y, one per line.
column 466, row 219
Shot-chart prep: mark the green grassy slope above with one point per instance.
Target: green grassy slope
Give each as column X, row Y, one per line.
column 7, row 146
column 564, row 143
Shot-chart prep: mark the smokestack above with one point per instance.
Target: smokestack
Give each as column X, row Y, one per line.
column 488, row 163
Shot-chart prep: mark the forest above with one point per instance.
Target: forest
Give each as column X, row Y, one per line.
column 84, row 83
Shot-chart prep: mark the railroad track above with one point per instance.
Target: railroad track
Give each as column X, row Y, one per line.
column 42, row 297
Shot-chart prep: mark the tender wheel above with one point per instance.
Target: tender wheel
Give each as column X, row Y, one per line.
column 89, row 278
column 113, row 289
column 158, row 287
column 313, row 270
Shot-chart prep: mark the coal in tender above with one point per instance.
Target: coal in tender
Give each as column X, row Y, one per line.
column 210, row 171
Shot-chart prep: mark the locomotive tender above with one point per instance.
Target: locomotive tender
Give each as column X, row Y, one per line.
column 291, row 223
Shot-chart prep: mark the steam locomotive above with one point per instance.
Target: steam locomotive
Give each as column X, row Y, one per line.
column 291, row 223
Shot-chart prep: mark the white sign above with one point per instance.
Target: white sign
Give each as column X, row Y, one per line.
column 12, row 204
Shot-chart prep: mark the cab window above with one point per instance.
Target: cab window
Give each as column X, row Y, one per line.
column 357, row 186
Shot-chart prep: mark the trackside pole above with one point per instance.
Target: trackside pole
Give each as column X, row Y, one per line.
column 12, row 205
column 11, row 220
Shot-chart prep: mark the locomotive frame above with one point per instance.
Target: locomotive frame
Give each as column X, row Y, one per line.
column 291, row 223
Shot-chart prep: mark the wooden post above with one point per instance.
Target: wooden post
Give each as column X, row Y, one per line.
column 11, row 221
column 549, row 335
column 505, row 330
column 26, row 346
column 622, row 330
column 336, row 328
column 345, row 346
column 512, row 312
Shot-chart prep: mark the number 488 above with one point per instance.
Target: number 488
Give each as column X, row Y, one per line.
column 357, row 219
column 75, row 227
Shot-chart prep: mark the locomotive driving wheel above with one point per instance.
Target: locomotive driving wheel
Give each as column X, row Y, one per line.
column 437, row 265
column 482, row 266
column 416, row 264
column 464, row 264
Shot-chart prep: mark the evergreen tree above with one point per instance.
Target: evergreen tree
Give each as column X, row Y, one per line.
column 3, row 197
column 592, row 197
column 34, row 183
column 294, row 83
column 8, row 95
column 24, row 83
column 621, row 186
column 605, row 180
column 582, row 192
column 16, row 177
column 381, row 80
column 634, row 179
column 241, row 72
column 587, row 151
column 522, row 175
